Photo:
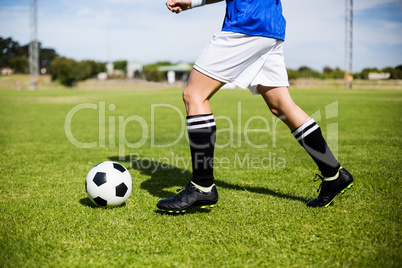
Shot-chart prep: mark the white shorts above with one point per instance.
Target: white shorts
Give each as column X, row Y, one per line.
column 244, row 60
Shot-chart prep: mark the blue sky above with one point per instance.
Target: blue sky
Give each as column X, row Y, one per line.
column 145, row 31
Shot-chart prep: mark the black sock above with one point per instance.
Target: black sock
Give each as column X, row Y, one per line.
column 310, row 137
column 202, row 134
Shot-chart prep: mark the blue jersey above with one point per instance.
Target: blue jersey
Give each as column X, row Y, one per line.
column 255, row 17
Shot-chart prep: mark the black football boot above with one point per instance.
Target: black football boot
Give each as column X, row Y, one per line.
column 331, row 187
column 188, row 197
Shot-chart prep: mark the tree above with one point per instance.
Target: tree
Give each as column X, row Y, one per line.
column 83, row 70
column 19, row 64
column 395, row 72
column 151, row 72
column 68, row 71
column 46, row 56
column 398, row 70
column 15, row 56
column 292, row 74
column 8, row 50
column 96, row 67
column 120, row 65
column 336, row 73
column 64, row 71
column 305, row 71
column 365, row 72
column 327, row 70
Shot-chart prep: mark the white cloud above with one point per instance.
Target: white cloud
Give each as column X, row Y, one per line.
column 380, row 32
column 367, row 4
column 84, row 11
column 108, row 33
column 315, row 34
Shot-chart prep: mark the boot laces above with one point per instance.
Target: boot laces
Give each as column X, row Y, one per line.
column 319, row 177
column 187, row 188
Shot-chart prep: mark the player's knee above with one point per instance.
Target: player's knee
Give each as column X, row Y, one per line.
column 275, row 111
column 183, row 96
column 186, row 96
column 190, row 99
column 275, row 108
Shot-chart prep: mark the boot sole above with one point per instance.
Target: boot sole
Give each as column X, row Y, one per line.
column 341, row 192
column 184, row 210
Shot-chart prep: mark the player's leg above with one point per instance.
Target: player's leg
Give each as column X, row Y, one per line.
column 282, row 106
column 306, row 131
column 201, row 126
column 201, row 132
column 198, row 91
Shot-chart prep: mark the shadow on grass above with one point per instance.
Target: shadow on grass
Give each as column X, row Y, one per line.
column 164, row 176
column 88, row 203
column 194, row 210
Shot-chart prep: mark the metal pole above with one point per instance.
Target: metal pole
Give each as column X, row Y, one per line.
column 348, row 43
column 34, row 45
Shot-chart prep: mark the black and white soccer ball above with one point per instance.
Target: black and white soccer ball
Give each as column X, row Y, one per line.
column 108, row 184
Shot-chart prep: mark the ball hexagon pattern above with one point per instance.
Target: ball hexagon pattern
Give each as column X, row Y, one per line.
column 108, row 184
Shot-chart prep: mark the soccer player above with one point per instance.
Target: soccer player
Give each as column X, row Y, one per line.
column 247, row 52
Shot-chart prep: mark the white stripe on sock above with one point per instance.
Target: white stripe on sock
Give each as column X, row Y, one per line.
column 303, row 126
column 201, row 126
column 305, row 134
column 201, row 118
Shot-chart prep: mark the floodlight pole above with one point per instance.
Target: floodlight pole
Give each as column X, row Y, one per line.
column 349, row 43
column 34, row 45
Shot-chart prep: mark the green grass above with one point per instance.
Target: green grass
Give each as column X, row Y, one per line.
column 261, row 219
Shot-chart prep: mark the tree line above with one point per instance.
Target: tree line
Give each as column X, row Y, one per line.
column 329, row 73
column 15, row 56
column 68, row 71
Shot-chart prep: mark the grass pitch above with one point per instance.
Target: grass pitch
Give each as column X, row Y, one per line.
column 263, row 176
